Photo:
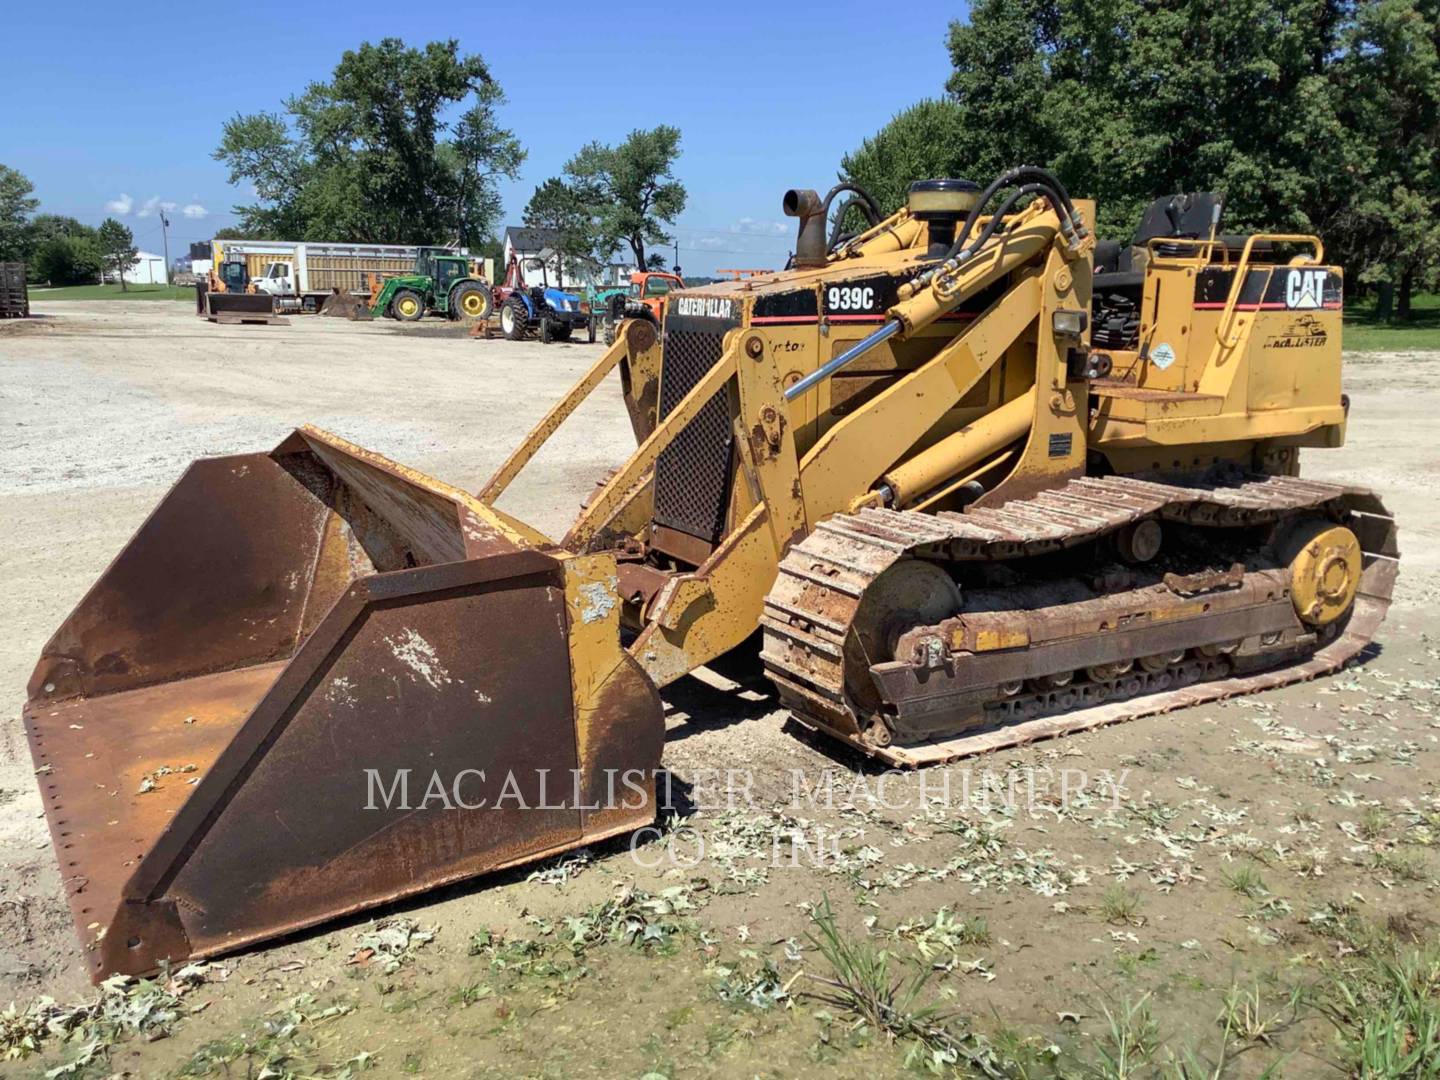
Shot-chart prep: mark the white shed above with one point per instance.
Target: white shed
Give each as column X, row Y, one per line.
column 529, row 242
column 148, row 269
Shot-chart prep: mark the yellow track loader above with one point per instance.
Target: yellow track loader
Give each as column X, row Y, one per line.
column 974, row 478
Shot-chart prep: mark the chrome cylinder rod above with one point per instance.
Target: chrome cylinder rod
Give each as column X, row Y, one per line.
column 860, row 348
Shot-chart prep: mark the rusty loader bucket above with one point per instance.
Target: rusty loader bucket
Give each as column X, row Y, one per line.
column 315, row 681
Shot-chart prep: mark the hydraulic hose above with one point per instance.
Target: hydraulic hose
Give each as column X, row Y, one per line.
column 1031, row 173
column 837, row 235
column 1032, row 180
column 872, row 208
column 862, row 198
column 1041, row 179
column 997, row 219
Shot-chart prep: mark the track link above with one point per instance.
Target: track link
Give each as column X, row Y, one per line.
column 809, row 610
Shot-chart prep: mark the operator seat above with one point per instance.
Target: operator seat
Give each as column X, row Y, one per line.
column 1189, row 216
column 1120, row 269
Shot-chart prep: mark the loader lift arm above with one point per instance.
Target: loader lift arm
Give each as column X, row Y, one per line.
column 704, row 612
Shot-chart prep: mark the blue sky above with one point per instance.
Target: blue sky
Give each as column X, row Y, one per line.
column 125, row 101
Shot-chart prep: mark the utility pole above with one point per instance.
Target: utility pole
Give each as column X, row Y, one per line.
column 165, row 242
column 675, row 262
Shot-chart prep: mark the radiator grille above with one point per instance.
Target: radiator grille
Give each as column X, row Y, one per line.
column 693, row 473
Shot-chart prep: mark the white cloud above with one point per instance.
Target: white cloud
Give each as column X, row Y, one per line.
column 154, row 205
column 194, row 210
column 122, row 205
column 760, row 227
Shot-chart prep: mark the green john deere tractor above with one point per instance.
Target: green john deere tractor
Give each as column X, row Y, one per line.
column 443, row 282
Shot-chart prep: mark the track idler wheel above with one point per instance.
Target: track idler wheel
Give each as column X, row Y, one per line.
column 1325, row 566
column 1139, row 542
column 910, row 593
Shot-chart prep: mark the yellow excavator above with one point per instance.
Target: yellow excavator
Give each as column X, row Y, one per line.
column 965, row 479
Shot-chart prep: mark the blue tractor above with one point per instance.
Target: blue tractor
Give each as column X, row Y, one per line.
column 550, row 313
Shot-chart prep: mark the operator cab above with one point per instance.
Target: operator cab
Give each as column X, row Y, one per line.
column 234, row 276
column 651, row 287
column 277, row 279
column 448, row 270
column 531, row 266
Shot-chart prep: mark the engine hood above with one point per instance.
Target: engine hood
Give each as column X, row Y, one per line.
column 846, row 290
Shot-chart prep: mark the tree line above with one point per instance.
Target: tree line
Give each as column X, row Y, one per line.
column 57, row 249
column 378, row 153
column 1315, row 116
column 400, row 145
column 613, row 197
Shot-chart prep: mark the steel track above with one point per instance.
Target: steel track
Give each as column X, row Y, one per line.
column 810, row 608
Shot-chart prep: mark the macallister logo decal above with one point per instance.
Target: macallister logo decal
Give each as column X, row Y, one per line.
column 1301, row 332
column 705, row 307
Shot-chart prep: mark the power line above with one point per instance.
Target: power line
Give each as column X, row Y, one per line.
column 731, row 232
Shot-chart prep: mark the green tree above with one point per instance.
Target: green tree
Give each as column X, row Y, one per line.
column 923, row 142
column 1130, row 99
column 477, row 157
column 1003, row 82
column 371, row 156
column 558, row 206
column 16, row 206
column 61, row 249
column 117, row 248
column 490, row 248
column 260, row 151
column 1384, row 218
column 41, row 230
column 67, row 260
column 44, row 227
column 631, row 189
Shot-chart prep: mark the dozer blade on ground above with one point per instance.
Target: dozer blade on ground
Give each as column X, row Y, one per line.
column 316, row 681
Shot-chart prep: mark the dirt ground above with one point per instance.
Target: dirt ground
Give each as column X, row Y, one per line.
column 1144, row 872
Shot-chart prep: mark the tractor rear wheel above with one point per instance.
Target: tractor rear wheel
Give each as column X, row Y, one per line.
column 408, row 306
column 513, row 317
column 471, row 301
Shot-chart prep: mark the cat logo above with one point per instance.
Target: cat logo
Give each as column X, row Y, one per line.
column 1302, row 332
column 1305, row 290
